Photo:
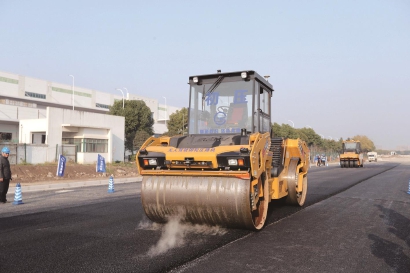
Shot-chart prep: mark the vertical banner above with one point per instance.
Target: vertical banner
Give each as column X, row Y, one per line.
column 61, row 165
column 100, row 168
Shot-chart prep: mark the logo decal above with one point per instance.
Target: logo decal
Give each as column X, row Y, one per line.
column 220, row 118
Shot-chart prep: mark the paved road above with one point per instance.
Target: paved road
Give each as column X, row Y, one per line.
column 363, row 228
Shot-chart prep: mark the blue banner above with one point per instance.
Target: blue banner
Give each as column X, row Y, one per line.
column 100, row 168
column 61, row 165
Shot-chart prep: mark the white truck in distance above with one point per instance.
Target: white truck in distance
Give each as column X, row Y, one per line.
column 372, row 156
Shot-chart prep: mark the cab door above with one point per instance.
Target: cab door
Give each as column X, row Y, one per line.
column 262, row 121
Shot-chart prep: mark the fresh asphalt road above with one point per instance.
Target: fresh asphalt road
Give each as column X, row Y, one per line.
column 355, row 220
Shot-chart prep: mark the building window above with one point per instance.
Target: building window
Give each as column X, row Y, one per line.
column 5, row 137
column 73, row 141
column 18, row 103
column 8, row 80
column 92, row 145
column 35, row 95
column 70, row 91
column 88, row 145
column 100, row 105
column 67, row 141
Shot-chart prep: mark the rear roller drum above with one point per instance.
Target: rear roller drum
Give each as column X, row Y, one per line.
column 295, row 196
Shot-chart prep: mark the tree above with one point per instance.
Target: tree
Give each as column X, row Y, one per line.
column 140, row 138
column 284, row 130
column 312, row 139
column 315, row 142
column 138, row 117
column 178, row 122
column 276, row 129
column 306, row 134
column 366, row 144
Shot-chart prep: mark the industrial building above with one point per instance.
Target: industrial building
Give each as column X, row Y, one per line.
column 50, row 118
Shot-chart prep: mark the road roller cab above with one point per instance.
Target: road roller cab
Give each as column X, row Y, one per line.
column 229, row 167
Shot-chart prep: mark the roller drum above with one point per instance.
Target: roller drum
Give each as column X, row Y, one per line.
column 209, row 200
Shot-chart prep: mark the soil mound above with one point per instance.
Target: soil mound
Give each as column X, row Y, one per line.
column 47, row 172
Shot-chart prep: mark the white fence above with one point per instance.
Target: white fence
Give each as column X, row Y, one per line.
column 38, row 153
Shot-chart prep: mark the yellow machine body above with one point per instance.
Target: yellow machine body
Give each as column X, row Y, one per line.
column 351, row 156
column 220, row 174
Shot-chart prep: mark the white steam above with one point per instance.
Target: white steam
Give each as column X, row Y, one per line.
column 174, row 234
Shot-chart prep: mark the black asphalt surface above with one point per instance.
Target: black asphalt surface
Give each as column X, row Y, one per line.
column 355, row 220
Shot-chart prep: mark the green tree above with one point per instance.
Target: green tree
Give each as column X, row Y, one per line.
column 332, row 147
column 366, row 144
column 276, row 129
column 138, row 117
column 177, row 124
column 284, row 130
column 306, row 134
column 315, row 142
column 140, row 138
column 312, row 139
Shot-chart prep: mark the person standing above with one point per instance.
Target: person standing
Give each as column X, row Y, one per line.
column 5, row 174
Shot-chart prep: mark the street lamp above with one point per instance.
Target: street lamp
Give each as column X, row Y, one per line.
column 293, row 125
column 127, row 92
column 166, row 111
column 73, row 89
column 122, row 97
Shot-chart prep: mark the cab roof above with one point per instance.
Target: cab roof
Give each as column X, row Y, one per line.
column 251, row 73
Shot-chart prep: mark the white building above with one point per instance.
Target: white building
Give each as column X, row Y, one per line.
column 40, row 112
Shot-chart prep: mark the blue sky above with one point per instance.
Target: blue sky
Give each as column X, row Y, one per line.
column 340, row 67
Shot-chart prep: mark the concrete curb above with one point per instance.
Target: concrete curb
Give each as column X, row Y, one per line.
column 72, row 184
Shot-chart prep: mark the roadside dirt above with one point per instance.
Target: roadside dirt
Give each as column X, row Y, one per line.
column 38, row 173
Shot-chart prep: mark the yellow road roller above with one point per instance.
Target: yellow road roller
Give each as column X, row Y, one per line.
column 351, row 156
column 229, row 167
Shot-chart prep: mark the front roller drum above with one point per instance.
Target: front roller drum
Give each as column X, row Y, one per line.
column 224, row 201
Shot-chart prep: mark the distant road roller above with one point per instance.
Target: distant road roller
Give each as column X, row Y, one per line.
column 229, row 167
column 351, row 156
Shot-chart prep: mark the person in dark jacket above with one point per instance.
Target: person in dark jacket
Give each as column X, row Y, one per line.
column 5, row 174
